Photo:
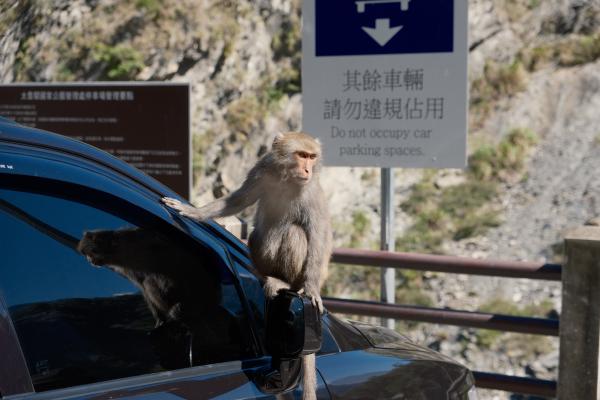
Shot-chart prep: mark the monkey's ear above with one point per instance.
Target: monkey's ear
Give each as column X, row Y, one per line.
column 279, row 137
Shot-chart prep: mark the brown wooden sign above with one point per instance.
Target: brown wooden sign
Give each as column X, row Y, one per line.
column 145, row 124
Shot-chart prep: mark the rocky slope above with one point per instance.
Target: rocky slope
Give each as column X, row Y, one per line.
column 532, row 66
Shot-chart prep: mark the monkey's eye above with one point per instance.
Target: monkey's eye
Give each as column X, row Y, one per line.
column 313, row 156
column 303, row 154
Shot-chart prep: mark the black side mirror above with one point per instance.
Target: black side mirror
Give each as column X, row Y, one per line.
column 293, row 330
column 293, row 326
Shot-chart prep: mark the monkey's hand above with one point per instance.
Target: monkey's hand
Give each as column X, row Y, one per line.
column 183, row 209
column 273, row 285
column 315, row 299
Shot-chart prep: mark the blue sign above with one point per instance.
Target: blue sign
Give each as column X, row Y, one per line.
column 366, row 27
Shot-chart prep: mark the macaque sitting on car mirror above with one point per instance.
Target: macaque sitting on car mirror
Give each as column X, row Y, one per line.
column 290, row 245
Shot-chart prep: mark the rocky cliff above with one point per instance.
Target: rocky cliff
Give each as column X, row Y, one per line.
column 534, row 142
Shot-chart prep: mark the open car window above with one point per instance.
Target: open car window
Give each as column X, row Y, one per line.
column 102, row 291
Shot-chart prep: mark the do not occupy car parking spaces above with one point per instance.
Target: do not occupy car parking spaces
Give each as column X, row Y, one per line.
column 73, row 327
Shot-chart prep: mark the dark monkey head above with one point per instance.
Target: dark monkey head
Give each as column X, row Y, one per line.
column 299, row 156
column 105, row 247
column 96, row 246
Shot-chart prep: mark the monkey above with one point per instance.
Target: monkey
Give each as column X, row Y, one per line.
column 291, row 241
column 159, row 267
column 181, row 293
column 290, row 245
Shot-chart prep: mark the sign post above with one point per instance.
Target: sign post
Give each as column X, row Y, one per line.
column 384, row 84
column 388, row 240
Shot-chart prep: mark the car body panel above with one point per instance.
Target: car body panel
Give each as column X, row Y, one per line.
column 379, row 363
column 385, row 374
column 231, row 380
column 14, row 376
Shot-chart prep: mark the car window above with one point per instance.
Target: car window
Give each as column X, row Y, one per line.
column 255, row 296
column 95, row 294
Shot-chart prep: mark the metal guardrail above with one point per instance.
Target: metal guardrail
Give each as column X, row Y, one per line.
column 508, row 323
column 450, row 264
column 457, row 265
column 515, row 384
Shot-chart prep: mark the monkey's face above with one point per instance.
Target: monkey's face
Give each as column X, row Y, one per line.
column 96, row 246
column 298, row 154
column 303, row 166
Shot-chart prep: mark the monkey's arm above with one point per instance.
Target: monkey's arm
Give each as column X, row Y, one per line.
column 232, row 204
column 317, row 257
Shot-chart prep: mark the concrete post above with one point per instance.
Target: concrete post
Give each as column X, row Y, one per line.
column 234, row 225
column 580, row 317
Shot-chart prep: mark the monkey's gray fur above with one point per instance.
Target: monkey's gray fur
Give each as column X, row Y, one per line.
column 291, row 242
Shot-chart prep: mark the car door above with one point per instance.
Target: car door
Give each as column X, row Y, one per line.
column 80, row 324
column 87, row 330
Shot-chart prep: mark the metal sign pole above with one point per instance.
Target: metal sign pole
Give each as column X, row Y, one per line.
column 388, row 275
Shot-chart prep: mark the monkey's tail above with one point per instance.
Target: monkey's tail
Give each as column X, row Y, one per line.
column 309, row 378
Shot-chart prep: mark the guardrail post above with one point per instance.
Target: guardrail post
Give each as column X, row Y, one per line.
column 580, row 317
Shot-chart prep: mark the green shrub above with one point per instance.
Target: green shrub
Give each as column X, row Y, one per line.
column 528, row 345
column 456, row 212
column 504, row 161
column 152, row 7
column 516, row 10
column 469, row 208
column 244, row 114
column 565, row 52
column 537, row 57
column 200, row 143
column 289, row 81
column 419, row 238
column 364, row 282
column 486, row 338
column 287, row 44
column 499, row 305
column 579, row 50
column 476, row 224
column 457, row 200
column 360, row 225
column 369, row 176
column 121, row 62
column 498, row 81
column 411, row 296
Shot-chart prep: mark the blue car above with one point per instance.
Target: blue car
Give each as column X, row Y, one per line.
column 105, row 294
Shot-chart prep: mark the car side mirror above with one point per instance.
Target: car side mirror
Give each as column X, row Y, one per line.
column 293, row 329
column 293, row 326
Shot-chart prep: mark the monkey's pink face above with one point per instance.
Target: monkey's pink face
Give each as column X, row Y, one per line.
column 304, row 163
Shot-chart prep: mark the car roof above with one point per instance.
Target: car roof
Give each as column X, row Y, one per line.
column 12, row 132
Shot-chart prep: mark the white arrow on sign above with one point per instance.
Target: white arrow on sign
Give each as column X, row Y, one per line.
column 382, row 33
